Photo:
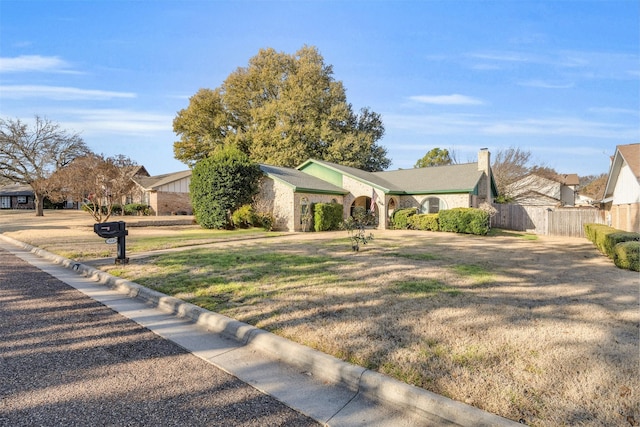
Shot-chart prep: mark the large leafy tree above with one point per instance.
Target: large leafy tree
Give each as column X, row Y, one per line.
column 220, row 184
column 97, row 181
column 31, row 154
column 434, row 157
column 281, row 109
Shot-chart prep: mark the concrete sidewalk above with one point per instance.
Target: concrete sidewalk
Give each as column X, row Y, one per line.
column 320, row 386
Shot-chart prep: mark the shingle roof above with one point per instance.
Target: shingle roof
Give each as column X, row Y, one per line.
column 460, row 178
column 16, row 190
column 631, row 155
column 153, row 182
column 301, row 181
column 369, row 177
column 569, row 179
column 434, row 179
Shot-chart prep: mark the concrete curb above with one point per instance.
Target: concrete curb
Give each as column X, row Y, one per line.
column 371, row 384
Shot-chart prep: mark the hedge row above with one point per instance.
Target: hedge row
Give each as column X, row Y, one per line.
column 457, row 220
column 426, row 222
column 327, row 216
column 622, row 247
column 128, row 209
column 464, row 220
column 400, row 218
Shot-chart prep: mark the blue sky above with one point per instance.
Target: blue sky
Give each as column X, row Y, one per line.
column 558, row 78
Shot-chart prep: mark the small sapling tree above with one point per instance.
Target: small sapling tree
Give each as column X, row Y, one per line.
column 355, row 226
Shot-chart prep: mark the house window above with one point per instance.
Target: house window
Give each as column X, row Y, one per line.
column 432, row 205
column 304, row 210
column 22, row 200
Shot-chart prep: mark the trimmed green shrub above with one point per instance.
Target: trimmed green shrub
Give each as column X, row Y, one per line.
column 400, row 218
column 464, row 220
column 427, row 222
column 243, row 217
column 627, row 255
column 220, row 184
column 591, row 231
column 613, row 239
column 136, row 209
column 606, row 238
column 327, row 216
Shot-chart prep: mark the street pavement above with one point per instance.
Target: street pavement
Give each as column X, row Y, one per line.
column 67, row 360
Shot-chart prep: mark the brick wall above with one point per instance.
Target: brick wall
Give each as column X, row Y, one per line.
column 170, row 203
column 626, row 217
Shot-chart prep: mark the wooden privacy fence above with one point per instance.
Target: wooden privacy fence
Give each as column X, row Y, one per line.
column 544, row 220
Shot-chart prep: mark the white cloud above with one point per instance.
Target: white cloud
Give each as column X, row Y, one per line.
column 546, row 85
column 115, row 121
column 37, row 63
column 583, row 64
column 466, row 124
column 613, row 110
column 454, row 99
column 566, row 126
column 60, row 93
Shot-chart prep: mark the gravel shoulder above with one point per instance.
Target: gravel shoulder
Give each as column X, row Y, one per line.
column 68, row 360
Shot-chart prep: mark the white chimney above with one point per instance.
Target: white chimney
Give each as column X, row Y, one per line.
column 484, row 165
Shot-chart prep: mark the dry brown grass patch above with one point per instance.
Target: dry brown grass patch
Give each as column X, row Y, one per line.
column 546, row 331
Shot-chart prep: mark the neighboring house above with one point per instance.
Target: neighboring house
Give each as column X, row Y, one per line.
column 582, row 200
column 166, row 194
column 537, row 190
column 622, row 193
column 290, row 192
column 17, row 196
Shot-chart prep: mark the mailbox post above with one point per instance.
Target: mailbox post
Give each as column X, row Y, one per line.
column 117, row 230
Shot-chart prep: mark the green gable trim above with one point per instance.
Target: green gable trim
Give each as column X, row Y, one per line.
column 297, row 189
column 322, row 172
column 315, row 191
column 334, row 174
column 416, row 193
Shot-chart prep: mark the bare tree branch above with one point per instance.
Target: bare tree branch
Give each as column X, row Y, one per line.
column 30, row 155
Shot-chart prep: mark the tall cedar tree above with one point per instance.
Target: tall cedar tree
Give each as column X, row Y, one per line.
column 281, row 110
column 220, row 184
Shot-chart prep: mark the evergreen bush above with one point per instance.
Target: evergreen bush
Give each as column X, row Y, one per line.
column 606, row 238
column 613, row 239
column 220, row 184
column 327, row 216
column 136, row 209
column 428, row 222
column 400, row 218
column 627, row 255
column 243, row 217
column 464, row 220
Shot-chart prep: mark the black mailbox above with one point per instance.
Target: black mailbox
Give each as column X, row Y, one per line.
column 110, row 229
column 118, row 230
